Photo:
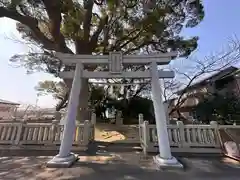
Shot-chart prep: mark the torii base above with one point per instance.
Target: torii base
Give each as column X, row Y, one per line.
column 167, row 164
column 62, row 162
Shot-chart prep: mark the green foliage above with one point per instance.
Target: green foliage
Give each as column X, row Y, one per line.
column 100, row 100
column 35, row 62
column 97, row 100
column 224, row 109
column 97, row 94
column 137, row 105
column 102, row 26
column 58, row 89
column 72, row 20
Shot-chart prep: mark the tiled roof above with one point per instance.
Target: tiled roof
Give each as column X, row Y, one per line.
column 8, row 102
column 229, row 70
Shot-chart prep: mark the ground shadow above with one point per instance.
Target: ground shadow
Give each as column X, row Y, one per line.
column 120, row 167
column 122, row 171
column 118, row 171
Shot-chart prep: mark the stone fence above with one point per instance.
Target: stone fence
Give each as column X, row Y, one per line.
column 46, row 136
column 185, row 138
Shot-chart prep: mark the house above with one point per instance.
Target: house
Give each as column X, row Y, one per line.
column 7, row 109
column 225, row 81
column 35, row 114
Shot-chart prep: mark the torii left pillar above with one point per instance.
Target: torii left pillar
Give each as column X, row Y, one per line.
column 65, row 158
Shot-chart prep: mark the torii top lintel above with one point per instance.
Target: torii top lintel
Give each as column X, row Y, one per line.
column 159, row 58
column 115, row 62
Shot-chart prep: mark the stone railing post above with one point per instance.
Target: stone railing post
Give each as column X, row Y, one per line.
column 145, row 136
column 119, row 119
column 86, row 132
column 58, row 116
column 182, row 140
column 217, row 137
column 93, row 118
column 54, row 129
column 140, row 119
column 140, row 122
column 20, row 131
column 93, row 123
column 214, row 123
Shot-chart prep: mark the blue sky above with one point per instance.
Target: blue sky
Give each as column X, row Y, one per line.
column 16, row 85
column 221, row 22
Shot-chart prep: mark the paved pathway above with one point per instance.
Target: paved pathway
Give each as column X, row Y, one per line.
column 114, row 166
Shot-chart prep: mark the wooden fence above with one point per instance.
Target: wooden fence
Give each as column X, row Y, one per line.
column 43, row 135
column 184, row 138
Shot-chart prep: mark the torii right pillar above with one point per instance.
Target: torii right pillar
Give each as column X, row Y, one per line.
column 164, row 159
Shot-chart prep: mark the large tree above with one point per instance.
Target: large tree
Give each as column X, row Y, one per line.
column 98, row 27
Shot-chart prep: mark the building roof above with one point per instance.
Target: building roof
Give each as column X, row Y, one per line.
column 231, row 70
column 8, row 102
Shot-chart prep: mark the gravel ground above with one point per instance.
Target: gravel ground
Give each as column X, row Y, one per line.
column 114, row 166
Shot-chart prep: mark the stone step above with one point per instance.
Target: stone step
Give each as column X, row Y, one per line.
column 117, row 144
column 115, row 147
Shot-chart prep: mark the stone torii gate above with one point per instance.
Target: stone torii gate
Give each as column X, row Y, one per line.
column 115, row 62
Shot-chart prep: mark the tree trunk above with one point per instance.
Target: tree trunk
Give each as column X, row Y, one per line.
column 83, row 112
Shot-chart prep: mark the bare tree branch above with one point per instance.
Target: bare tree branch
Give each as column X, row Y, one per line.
column 208, row 65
